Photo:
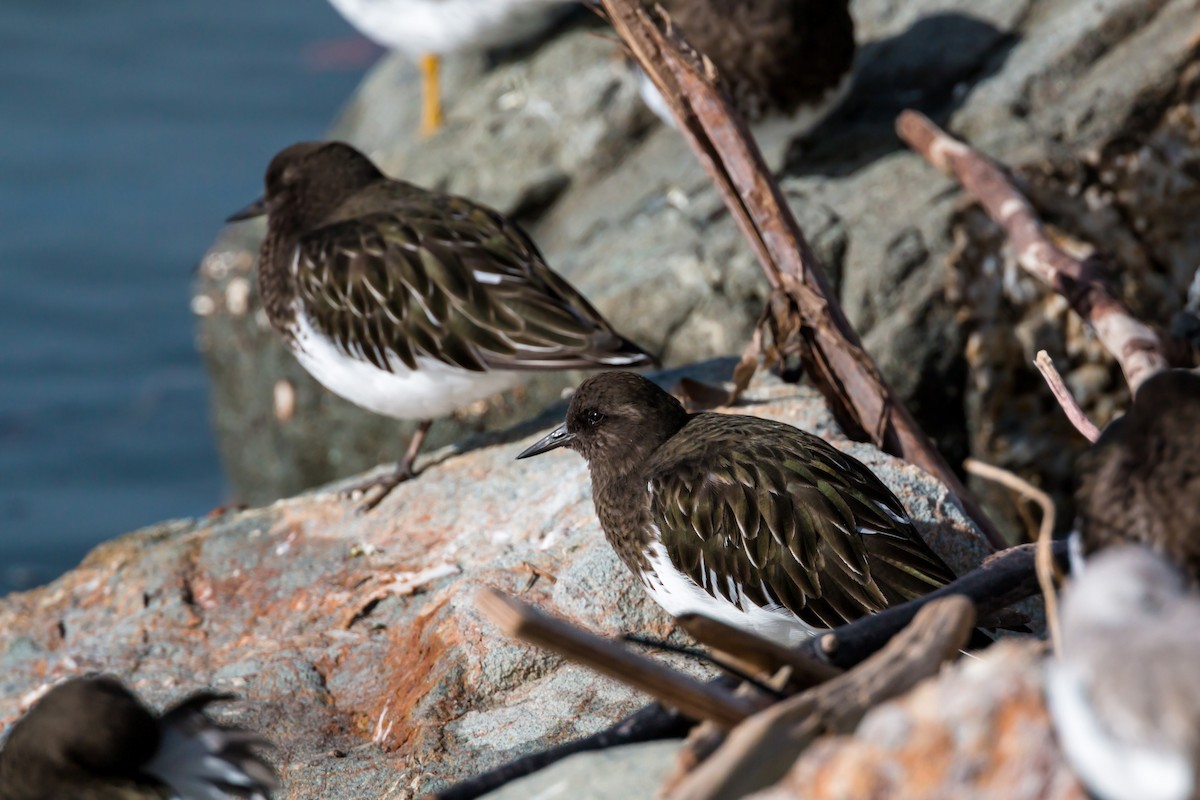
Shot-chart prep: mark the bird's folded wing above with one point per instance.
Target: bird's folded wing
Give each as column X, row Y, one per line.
column 793, row 521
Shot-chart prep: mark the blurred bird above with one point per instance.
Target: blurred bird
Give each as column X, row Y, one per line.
column 1125, row 691
column 429, row 29
column 411, row 303
column 1140, row 482
column 90, row 738
column 788, row 58
column 748, row 521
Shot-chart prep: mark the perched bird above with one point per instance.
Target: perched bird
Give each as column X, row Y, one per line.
column 751, row 522
column 90, row 738
column 429, row 29
column 1124, row 692
column 1140, row 482
column 408, row 302
column 790, row 58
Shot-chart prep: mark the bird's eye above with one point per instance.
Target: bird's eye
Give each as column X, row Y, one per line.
column 593, row 417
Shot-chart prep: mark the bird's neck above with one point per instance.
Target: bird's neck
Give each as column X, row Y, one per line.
column 276, row 279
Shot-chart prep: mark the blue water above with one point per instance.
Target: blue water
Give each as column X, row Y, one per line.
column 128, row 131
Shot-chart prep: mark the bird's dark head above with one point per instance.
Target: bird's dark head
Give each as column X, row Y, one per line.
column 308, row 181
column 617, row 418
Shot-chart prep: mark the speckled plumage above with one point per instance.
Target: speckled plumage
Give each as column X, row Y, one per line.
column 91, row 739
column 413, row 303
column 1140, row 483
column 741, row 517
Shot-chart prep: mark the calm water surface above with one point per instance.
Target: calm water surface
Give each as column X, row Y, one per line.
column 128, row 131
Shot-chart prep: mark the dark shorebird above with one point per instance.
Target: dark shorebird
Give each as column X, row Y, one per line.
column 1124, row 693
column 92, row 739
column 410, row 303
column 1140, row 483
column 429, row 29
column 786, row 58
column 751, row 522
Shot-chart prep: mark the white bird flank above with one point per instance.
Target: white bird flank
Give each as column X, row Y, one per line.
column 416, row 27
column 433, row 390
column 678, row 594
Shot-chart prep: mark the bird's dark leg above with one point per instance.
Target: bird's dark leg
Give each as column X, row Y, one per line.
column 404, row 471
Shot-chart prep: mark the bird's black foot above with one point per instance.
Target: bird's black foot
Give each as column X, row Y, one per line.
column 375, row 489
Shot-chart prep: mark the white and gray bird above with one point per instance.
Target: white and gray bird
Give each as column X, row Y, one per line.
column 427, row 30
column 1125, row 690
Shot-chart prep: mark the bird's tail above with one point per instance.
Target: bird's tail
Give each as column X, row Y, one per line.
column 203, row 760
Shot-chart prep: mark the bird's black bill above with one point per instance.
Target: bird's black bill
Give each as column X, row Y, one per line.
column 255, row 209
column 559, row 437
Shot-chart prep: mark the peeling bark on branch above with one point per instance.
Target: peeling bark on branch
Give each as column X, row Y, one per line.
column 1136, row 347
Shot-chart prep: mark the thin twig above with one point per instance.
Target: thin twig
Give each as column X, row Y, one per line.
column 804, row 317
column 673, row 688
column 1047, row 573
column 1136, row 347
column 1064, row 397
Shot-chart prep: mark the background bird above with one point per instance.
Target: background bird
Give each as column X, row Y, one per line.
column 429, row 29
column 411, row 303
column 790, row 58
column 751, row 522
column 90, row 738
column 1125, row 691
column 1140, row 482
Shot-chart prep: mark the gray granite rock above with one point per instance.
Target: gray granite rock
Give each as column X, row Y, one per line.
column 622, row 773
column 354, row 640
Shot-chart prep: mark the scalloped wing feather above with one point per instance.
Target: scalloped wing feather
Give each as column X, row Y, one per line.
column 795, row 522
column 446, row 278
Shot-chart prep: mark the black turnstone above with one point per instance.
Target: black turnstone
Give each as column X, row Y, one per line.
column 429, row 29
column 791, row 58
column 91, row 739
column 1124, row 692
column 751, row 522
column 411, row 303
column 1140, row 482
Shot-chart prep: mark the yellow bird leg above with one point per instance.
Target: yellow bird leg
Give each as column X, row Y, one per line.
column 431, row 107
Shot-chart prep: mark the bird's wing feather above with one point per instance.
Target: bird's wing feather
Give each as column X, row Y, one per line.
column 451, row 280
column 795, row 522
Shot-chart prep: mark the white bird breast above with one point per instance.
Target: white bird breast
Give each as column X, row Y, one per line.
column 443, row 26
column 432, row 390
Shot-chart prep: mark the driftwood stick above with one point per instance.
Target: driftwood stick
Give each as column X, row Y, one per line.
column 760, row 751
column 1005, row 578
column 759, row 654
column 804, row 317
column 1136, row 347
column 648, row 724
column 694, row 698
column 1064, row 397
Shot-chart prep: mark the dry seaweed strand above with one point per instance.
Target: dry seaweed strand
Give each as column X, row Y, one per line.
column 760, row 751
column 803, row 317
column 1135, row 346
column 1047, row 573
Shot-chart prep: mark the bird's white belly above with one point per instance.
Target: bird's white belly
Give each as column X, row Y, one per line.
column 678, row 594
column 443, row 26
column 432, row 390
column 1113, row 769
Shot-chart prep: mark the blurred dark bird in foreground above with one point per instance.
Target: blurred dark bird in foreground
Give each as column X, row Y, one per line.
column 791, row 58
column 748, row 521
column 411, row 303
column 1125, row 692
column 1140, row 482
column 429, row 29
column 91, row 739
